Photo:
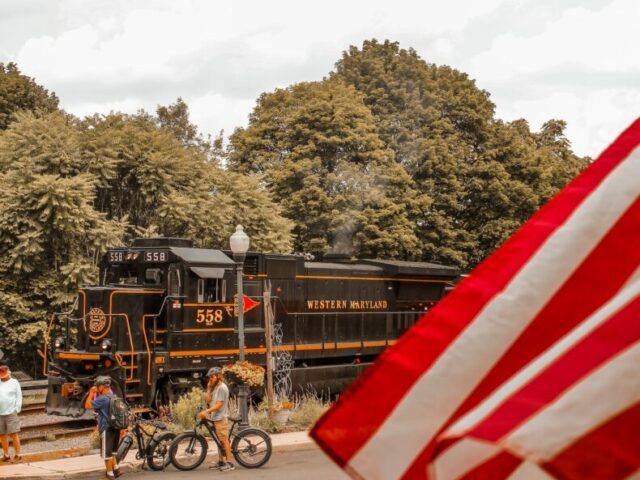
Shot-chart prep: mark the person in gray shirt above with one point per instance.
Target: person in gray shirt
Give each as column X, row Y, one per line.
column 217, row 397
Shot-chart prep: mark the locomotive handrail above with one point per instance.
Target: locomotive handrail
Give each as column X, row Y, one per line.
column 50, row 326
column 130, row 292
column 144, row 334
column 132, row 349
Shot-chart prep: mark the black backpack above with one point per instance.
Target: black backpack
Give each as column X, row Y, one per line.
column 118, row 413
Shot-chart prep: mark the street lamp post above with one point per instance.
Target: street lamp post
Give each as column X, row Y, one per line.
column 239, row 242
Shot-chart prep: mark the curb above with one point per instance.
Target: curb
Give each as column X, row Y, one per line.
column 129, row 467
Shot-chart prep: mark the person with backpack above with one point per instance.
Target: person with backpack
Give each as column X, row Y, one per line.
column 102, row 400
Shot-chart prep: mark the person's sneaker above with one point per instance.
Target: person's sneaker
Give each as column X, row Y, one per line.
column 227, row 467
column 216, row 465
column 116, row 472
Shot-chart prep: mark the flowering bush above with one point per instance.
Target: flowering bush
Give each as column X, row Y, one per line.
column 280, row 403
column 244, row 372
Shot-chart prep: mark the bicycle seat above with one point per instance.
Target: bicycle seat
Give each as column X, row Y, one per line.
column 233, row 418
column 159, row 424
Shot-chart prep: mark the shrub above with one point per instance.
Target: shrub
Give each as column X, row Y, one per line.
column 184, row 411
column 260, row 419
column 309, row 408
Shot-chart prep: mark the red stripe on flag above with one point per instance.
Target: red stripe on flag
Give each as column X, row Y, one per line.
column 364, row 407
column 609, row 339
column 610, row 451
column 496, row 468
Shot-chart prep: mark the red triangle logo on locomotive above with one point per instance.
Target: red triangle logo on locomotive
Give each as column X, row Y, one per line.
column 247, row 303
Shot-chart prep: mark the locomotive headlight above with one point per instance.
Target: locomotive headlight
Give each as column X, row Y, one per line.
column 58, row 343
column 106, row 345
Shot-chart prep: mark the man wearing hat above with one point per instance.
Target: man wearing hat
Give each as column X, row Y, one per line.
column 99, row 398
column 217, row 397
column 10, row 406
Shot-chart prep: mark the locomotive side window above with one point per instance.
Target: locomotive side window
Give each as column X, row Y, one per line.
column 204, row 290
column 153, row 276
column 210, row 290
column 174, row 282
column 206, row 284
column 122, row 275
column 200, row 290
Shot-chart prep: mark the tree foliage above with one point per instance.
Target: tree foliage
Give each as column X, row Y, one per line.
column 50, row 232
column 317, row 148
column 484, row 177
column 19, row 92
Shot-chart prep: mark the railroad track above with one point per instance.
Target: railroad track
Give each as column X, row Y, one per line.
column 33, row 409
column 34, row 393
column 63, row 428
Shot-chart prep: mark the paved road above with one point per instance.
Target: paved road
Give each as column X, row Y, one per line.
column 307, row 464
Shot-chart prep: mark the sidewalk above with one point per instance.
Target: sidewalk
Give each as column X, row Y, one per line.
column 92, row 466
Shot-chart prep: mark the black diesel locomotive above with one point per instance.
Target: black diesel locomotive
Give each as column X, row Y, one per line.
column 164, row 312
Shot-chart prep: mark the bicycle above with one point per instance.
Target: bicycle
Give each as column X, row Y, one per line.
column 251, row 447
column 153, row 447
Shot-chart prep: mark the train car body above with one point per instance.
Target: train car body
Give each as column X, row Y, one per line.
column 164, row 312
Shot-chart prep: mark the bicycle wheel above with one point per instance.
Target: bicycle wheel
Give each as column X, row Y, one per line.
column 251, row 448
column 158, row 451
column 188, row 451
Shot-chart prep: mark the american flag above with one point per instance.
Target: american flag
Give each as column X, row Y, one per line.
column 530, row 368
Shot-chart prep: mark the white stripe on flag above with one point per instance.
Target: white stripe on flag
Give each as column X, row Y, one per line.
column 524, row 376
column 634, row 276
column 442, row 388
column 598, row 397
column 465, row 455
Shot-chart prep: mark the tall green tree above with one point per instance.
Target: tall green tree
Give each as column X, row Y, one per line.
column 317, row 148
column 50, row 233
column 484, row 177
column 19, row 92
column 161, row 182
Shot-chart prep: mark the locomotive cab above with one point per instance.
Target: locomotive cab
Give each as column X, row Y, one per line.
column 126, row 326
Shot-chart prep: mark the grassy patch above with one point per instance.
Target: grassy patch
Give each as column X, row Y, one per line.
column 307, row 409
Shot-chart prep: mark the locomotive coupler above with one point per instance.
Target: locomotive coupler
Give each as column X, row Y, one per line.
column 71, row 390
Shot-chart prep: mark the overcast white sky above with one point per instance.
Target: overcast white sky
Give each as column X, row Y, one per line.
column 577, row 60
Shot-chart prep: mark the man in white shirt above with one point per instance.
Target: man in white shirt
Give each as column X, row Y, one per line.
column 10, row 406
column 217, row 397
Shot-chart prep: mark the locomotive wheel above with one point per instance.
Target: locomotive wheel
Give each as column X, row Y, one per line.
column 162, row 397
